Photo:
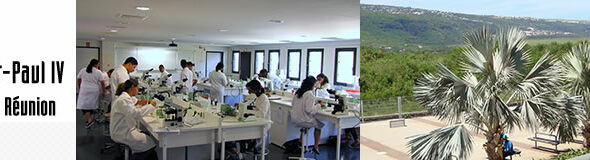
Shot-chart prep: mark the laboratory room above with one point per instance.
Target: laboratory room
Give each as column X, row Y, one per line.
column 217, row 79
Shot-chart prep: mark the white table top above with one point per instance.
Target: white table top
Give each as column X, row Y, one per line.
column 286, row 101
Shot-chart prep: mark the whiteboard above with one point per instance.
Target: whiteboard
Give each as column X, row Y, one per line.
column 152, row 57
column 149, row 57
column 83, row 57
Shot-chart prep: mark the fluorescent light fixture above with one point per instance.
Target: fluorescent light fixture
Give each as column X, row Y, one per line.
column 114, row 30
column 277, row 21
column 223, row 30
column 142, row 8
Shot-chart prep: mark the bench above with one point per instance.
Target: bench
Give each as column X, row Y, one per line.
column 516, row 151
column 397, row 123
column 547, row 139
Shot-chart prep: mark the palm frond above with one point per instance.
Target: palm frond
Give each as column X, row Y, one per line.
column 442, row 143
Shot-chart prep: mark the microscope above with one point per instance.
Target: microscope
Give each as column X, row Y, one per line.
column 338, row 101
column 146, row 74
column 248, row 100
column 177, row 87
column 164, row 80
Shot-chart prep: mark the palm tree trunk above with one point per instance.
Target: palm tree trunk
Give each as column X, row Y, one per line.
column 586, row 134
column 493, row 146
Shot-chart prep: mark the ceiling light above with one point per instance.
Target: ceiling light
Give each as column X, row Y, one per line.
column 223, row 30
column 277, row 21
column 142, row 8
column 102, row 38
column 114, row 30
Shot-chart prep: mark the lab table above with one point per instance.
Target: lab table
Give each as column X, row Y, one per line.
column 200, row 134
column 282, row 124
column 212, row 130
column 233, row 130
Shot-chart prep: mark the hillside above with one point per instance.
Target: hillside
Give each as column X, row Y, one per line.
column 401, row 29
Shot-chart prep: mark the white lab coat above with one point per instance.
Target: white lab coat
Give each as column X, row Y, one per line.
column 124, row 117
column 188, row 84
column 304, row 111
column 164, row 76
column 88, row 97
column 107, row 82
column 218, row 83
column 119, row 75
column 262, row 109
column 322, row 90
column 276, row 82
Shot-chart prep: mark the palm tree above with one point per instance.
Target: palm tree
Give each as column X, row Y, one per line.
column 577, row 68
column 494, row 95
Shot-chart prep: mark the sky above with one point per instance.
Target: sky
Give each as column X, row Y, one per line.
column 553, row 9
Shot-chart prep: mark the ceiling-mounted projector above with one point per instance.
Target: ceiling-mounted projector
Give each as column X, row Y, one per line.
column 173, row 44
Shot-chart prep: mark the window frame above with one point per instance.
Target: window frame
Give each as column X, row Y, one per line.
column 233, row 61
column 288, row 64
column 278, row 58
column 321, row 61
column 354, row 52
column 256, row 60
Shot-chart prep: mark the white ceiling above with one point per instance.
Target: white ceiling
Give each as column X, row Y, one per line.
column 200, row 21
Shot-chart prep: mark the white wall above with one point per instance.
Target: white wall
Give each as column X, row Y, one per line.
column 191, row 52
column 328, row 62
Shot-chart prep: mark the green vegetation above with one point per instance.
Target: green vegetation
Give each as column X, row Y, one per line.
column 387, row 74
column 400, row 29
column 571, row 154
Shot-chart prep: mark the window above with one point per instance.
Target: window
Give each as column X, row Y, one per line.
column 273, row 61
column 345, row 66
column 235, row 67
column 315, row 58
column 293, row 64
column 213, row 57
column 259, row 61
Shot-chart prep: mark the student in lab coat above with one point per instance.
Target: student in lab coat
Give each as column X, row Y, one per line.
column 163, row 75
column 186, row 74
column 191, row 68
column 218, row 83
column 305, row 109
column 262, row 77
column 322, row 85
column 121, row 73
column 91, row 84
column 276, row 81
column 127, row 110
column 262, row 106
column 107, row 97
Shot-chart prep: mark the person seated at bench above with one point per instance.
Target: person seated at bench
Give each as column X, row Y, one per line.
column 508, row 148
